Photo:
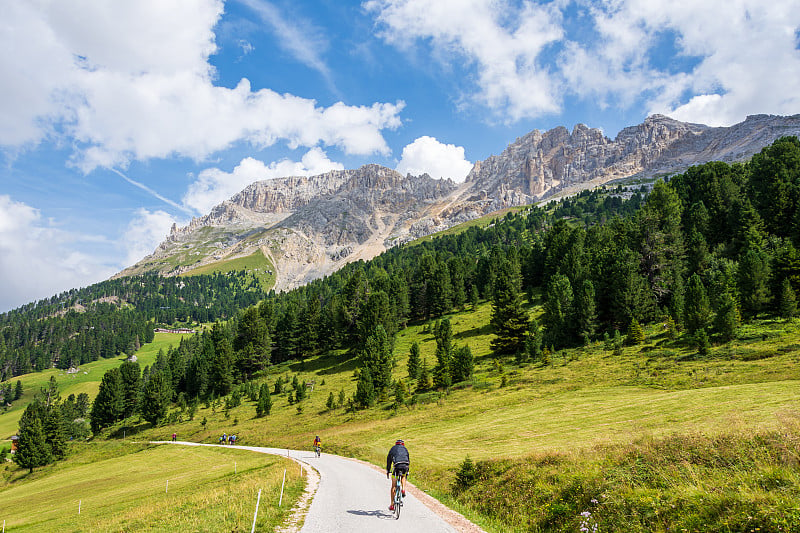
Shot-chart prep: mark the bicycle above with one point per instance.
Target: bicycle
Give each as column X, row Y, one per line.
column 398, row 495
column 317, row 450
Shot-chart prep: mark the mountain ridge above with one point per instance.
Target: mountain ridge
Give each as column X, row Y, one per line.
column 310, row 226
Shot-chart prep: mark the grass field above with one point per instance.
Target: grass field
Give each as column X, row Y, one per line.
column 586, row 399
column 256, row 263
column 87, row 380
column 133, row 487
column 585, row 402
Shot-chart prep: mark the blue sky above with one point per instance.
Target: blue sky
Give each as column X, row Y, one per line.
column 119, row 118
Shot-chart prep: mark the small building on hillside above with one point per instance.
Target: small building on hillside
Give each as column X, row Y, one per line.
column 14, row 443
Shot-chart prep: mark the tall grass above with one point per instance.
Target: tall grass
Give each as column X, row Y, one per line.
column 732, row 482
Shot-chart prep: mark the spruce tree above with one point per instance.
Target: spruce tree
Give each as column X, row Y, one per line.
column 414, row 361
column 18, row 391
column 107, row 406
column 32, row 448
column 331, row 403
column 727, row 319
column 54, row 432
column 463, row 364
column 697, row 309
column 788, row 300
column 131, row 387
column 365, row 391
column 154, row 404
column 424, row 382
column 509, row 319
column 635, row 333
column 377, row 358
column 753, row 278
column 264, row 405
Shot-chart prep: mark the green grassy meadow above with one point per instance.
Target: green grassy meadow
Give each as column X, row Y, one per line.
column 575, row 428
column 122, row 486
column 87, row 380
column 255, row 263
column 585, row 400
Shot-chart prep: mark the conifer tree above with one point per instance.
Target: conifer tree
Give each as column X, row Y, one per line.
column 18, row 391
column 788, row 300
column 131, row 384
column 54, row 432
column 32, row 448
column 509, row 319
column 424, row 382
column 727, row 319
column 107, row 406
column 413, row 361
column 463, row 364
column 753, row 278
column 331, row 403
column 155, row 404
column 264, row 405
column 377, row 358
column 635, row 333
column 697, row 309
column 365, row 391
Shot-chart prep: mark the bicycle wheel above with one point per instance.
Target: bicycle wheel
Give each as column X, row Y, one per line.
column 398, row 501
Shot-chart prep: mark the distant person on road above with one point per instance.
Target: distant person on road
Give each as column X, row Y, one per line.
column 224, row 438
column 398, row 456
column 232, row 439
column 174, row 437
column 317, row 444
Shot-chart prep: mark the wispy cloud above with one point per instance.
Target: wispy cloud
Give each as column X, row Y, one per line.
column 150, row 191
column 298, row 37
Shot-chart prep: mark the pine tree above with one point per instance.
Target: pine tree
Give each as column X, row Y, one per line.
column 131, row 383
column 727, row 320
column 753, row 277
column 154, row 404
column 463, row 364
column 18, row 391
column 264, row 405
column 586, row 309
column 32, row 448
column 788, row 300
column 424, row 382
column 377, row 358
column 365, row 391
column 54, row 432
column 697, row 310
column 559, row 317
column 331, row 403
column 509, row 319
column 107, row 406
column 635, row 333
column 443, row 373
column 414, row 361
column 399, row 393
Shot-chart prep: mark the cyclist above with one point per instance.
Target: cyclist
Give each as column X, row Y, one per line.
column 398, row 456
column 317, row 443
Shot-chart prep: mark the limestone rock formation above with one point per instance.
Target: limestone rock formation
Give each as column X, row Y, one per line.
column 310, row 226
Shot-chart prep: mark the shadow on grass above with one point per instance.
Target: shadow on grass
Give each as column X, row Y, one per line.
column 129, row 430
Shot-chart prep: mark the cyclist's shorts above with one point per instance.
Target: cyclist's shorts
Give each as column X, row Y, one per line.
column 401, row 470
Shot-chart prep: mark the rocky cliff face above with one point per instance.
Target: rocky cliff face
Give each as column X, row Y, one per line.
column 310, row 226
column 539, row 165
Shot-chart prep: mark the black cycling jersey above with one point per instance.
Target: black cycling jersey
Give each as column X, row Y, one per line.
column 399, row 456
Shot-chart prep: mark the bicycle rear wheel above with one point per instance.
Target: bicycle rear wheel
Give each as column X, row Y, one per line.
column 398, row 500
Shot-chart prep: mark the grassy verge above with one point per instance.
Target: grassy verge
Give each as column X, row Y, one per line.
column 123, row 487
column 731, row 482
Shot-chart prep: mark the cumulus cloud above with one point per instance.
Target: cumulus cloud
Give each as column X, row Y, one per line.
column 438, row 160
column 713, row 62
column 146, row 231
column 214, row 185
column 503, row 42
column 126, row 81
column 38, row 259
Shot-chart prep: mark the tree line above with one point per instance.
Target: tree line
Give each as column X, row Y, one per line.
column 114, row 317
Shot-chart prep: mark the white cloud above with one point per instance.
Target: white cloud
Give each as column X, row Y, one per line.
column 146, row 231
column 214, row 185
column 132, row 80
column 38, row 260
column 714, row 61
column 438, row 160
column 503, row 41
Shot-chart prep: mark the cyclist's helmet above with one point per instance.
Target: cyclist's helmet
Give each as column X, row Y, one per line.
column 400, row 441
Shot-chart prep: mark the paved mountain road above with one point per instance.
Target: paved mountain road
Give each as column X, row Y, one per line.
column 353, row 497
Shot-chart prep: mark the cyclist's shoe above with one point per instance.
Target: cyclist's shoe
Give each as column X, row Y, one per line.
column 391, row 507
column 404, row 493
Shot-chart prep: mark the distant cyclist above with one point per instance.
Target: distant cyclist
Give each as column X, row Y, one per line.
column 398, row 456
column 317, row 445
